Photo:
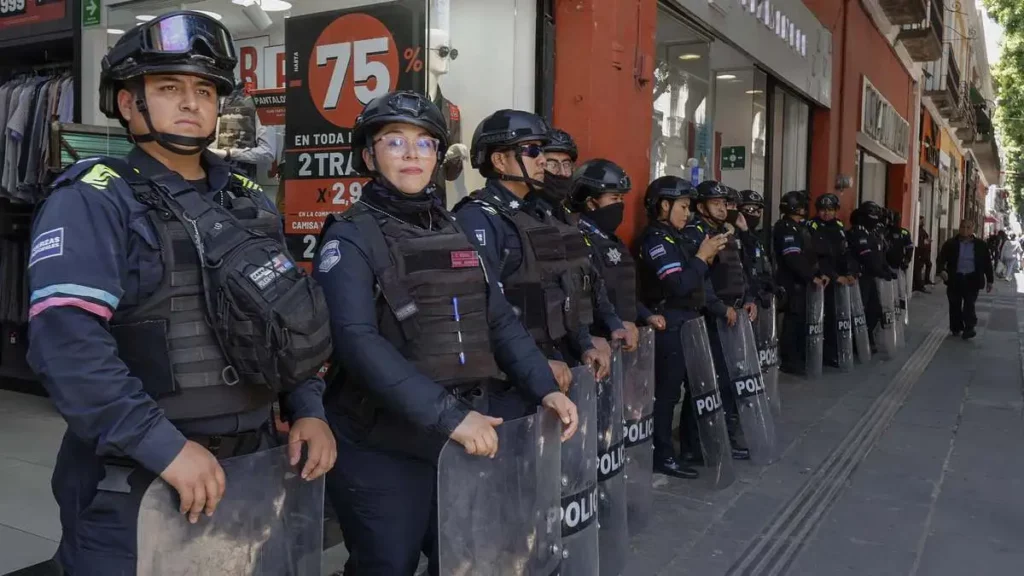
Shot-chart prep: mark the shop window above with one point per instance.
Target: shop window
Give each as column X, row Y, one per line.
column 796, row 115
column 874, row 175
column 740, row 128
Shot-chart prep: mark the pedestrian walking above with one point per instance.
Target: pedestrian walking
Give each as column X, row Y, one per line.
column 965, row 266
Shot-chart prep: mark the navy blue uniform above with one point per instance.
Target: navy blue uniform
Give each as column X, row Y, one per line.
column 643, row 313
column 868, row 248
column 798, row 267
column 94, row 252
column 671, row 284
column 385, row 499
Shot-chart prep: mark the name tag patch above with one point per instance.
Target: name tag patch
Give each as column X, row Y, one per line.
column 49, row 244
column 274, row 268
column 464, row 259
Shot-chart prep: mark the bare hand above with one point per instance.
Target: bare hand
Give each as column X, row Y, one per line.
column 825, row 281
column 566, row 411
column 456, row 150
column 322, row 450
column 563, row 376
column 600, row 360
column 741, row 222
column 657, row 321
column 198, row 479
column 818, row 282
column 730, row 316
column 476, row 434
column 711, row 246
column 632, row 338
column 988, row 288
column 751, row 309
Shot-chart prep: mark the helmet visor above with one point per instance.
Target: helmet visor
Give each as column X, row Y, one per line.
column 184, row 33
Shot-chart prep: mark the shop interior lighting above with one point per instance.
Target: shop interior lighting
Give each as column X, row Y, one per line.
column 213, row 15
column 755, row 91
column 115, row 31
column 726, row 76
column 144, row 17
column 689, row 56
column 266, row 5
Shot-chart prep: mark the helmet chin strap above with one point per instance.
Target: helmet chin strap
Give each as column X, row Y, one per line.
column 183, row 145
column 535, row 186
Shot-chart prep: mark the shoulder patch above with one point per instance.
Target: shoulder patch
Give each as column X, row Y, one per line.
column 330, row 255
column 481, row 236
column 49, row 244
column 99, row 176
column 657, row 251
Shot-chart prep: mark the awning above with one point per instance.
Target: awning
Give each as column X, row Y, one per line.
column 990, row 220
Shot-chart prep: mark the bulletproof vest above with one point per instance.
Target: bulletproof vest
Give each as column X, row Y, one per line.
column 807, row 241
column 654, row 296
column 762, row 262
column 580, row 273
column 433, row 307
column 193, row 379
column 727, row 275
column 618, row 269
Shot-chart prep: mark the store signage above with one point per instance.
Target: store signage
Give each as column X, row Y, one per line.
column 774, row 19
column 336, row 62
column 260, row 65
column 881, row 122
column 23, row 12
column 91, row 12
column 733, row 157
column 270, row 106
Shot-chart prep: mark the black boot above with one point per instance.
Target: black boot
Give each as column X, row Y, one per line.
column 671, row 467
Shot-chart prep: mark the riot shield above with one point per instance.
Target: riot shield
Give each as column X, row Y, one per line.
column 885, row 334
column 766, row 332
column 613, row 538
column 743, row 368
column 861, row 341
column 902, row 296
column 843, row 327
column 706, row 403
column 269, row 522
column 815, row 329
column 579, row 481
column 500, row 516
column 638, row 430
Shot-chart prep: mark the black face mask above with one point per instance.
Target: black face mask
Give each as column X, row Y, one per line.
column 608, row 218
column 752, row 221
column 555, row 189
column 731, row 216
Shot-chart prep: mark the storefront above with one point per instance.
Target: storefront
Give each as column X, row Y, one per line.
column 928, row 179
column 951, row 186
column 734, row 85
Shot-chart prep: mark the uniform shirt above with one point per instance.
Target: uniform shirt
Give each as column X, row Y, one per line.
column 497, row 239
column 94, row 252
column 342, row 267
column 796, row 260
column 868, row 250
column 694, row 233
column 833, row 247
column 677, row 275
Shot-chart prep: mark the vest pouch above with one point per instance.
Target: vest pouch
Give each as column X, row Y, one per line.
column 557, row 308
column 143, row 347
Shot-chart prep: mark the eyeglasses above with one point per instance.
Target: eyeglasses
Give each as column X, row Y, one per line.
column 399, row 146
column 529, row 150
column 446, row 51
column 556, row 167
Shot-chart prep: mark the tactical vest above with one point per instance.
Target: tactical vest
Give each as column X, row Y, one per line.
column 618, row 269
column 167, row 341
column 434, row 288
column 763, row 268
column 580, row 273
column 727, row 274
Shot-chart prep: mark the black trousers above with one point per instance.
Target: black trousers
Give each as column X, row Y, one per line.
column 872, row 304
column 962, row 294
column 793, row 339
column 831, row 342
column 669, row 379
column 922, row 270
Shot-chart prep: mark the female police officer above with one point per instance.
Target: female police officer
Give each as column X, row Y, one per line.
column 421, row 328
column 119, row 327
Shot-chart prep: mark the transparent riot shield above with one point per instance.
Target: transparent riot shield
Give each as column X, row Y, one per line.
column 843, row 327
column 766, row 332
column 500, row 516
column 902, row 297
column 861, row 341
column 743, row 368
column 613, row 536
column 638, row 430
column 579, row 481
column 885, row 333
column 815, row 329
column 706, row 403
column 269, row 522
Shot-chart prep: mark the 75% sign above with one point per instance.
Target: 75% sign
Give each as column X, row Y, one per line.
column 355, row 60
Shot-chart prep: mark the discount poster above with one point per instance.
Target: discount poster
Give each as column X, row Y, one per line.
column 335, row 63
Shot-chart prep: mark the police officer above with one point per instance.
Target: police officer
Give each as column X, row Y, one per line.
column 511, row 229
column 900, row 244
column 760, row 269
column 867, row 248
column 418, row 361
column 673, row 285
column 834, row 260
column 152, row 383
column 597, row 192
column 797, row 268
column 717, row 213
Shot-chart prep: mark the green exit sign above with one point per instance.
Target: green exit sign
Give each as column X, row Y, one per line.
column 91, row 13
column 734, row 157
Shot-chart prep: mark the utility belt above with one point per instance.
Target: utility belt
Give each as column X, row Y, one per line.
column 663, row 306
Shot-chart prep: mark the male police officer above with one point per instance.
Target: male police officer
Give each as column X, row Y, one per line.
column 515, row 233
column 867, row 247
column 797, row 268
column 151, row 379
column 834, row 260
column 673, row 284
column 900, row 251
column 760, row 269
column 419, row 356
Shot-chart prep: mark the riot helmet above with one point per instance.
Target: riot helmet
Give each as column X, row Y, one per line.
column 751, row 205
column 561, row 141
column 597, row 177
column 827, row 201
column 750, row 198
column 403, row 107
column 665, row 188
column 179, row 42
column 710, row 189
column 794, row 203
column 506, row 130
column 871, row 212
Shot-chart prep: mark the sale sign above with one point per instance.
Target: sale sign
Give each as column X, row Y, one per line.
column 336, row 62
column 21, row 12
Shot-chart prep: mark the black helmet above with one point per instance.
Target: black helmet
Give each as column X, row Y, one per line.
column 871, row 211
column 828, row 201
column 561, row 141
column 596, row 177
column 895, row 218
column 710, row 189
column 665, row 188
column 403, row 106
column 793, row 201
column 732, row 195
column 179, row 42
column 501, row 130
column 750, row 198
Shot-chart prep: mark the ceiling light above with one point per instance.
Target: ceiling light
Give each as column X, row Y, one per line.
column 213, row 15
column 115, row 31
column 726, row 76
column 689, row 56
column 755, row 91
column 144, row 18
column 267, row 5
